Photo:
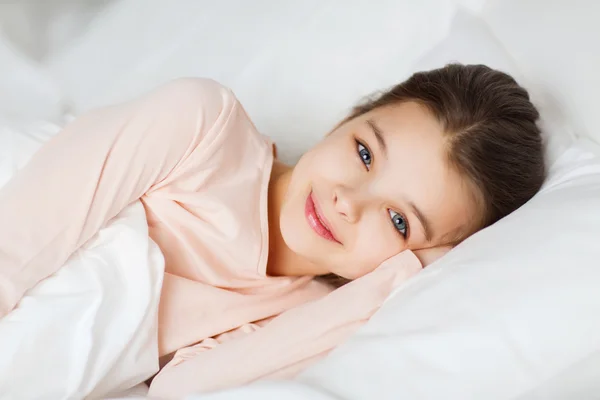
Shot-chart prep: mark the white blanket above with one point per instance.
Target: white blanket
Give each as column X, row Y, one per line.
column 90, row 329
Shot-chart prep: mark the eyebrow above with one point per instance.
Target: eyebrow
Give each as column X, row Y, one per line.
column 379, row 136
column 424, row 221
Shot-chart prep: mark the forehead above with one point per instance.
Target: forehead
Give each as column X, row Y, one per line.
column 416, row 169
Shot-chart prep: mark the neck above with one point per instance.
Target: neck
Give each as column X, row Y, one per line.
column 282, row 260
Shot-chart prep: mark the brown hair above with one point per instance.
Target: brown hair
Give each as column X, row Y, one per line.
column 490, row 124
column 492, row 135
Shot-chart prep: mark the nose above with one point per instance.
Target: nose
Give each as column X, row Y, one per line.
column 347, row 203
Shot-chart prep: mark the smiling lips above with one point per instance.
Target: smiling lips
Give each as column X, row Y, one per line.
column 316, row 220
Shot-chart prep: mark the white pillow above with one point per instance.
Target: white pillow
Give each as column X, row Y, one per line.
column 506, row 313
column 470, row 41
column 90, row 329
column 556, row 44
column 510, row 313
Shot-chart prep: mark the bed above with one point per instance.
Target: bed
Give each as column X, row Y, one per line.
column 512, row 313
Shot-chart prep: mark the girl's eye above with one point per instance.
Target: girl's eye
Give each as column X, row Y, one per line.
column 399, row 223
column 364, row 154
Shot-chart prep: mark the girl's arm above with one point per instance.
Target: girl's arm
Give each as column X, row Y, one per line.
column 95, row 167
column 287, row 343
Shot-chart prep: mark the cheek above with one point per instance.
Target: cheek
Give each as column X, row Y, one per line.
column 333, row 161
column 374, row 244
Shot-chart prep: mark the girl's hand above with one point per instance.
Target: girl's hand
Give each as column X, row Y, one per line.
column 428, row 256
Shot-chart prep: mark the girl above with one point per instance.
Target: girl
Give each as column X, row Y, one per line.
column 417, row 169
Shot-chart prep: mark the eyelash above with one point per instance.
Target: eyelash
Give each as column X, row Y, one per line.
column 362, row 149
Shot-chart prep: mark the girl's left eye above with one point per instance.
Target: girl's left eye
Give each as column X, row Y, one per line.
column 364, row 154
column 399, row 223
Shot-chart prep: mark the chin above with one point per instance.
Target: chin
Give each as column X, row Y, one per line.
column 296, row 239
column 299, row 238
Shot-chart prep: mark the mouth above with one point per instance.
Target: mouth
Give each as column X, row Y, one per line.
column 316, row 220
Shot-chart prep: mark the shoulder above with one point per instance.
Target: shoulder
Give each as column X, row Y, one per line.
column 187, row 99
column 212, row 109
column 199, row 104
column 197, row 90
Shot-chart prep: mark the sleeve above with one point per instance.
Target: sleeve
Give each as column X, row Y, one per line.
column 95, row 167
column 289, row 342
column 190, row 352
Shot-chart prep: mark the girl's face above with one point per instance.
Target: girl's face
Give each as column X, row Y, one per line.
column 375, row 186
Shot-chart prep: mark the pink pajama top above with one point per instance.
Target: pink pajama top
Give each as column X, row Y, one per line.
column 190, row 153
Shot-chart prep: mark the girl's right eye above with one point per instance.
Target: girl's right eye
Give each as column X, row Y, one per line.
column 364, row 154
